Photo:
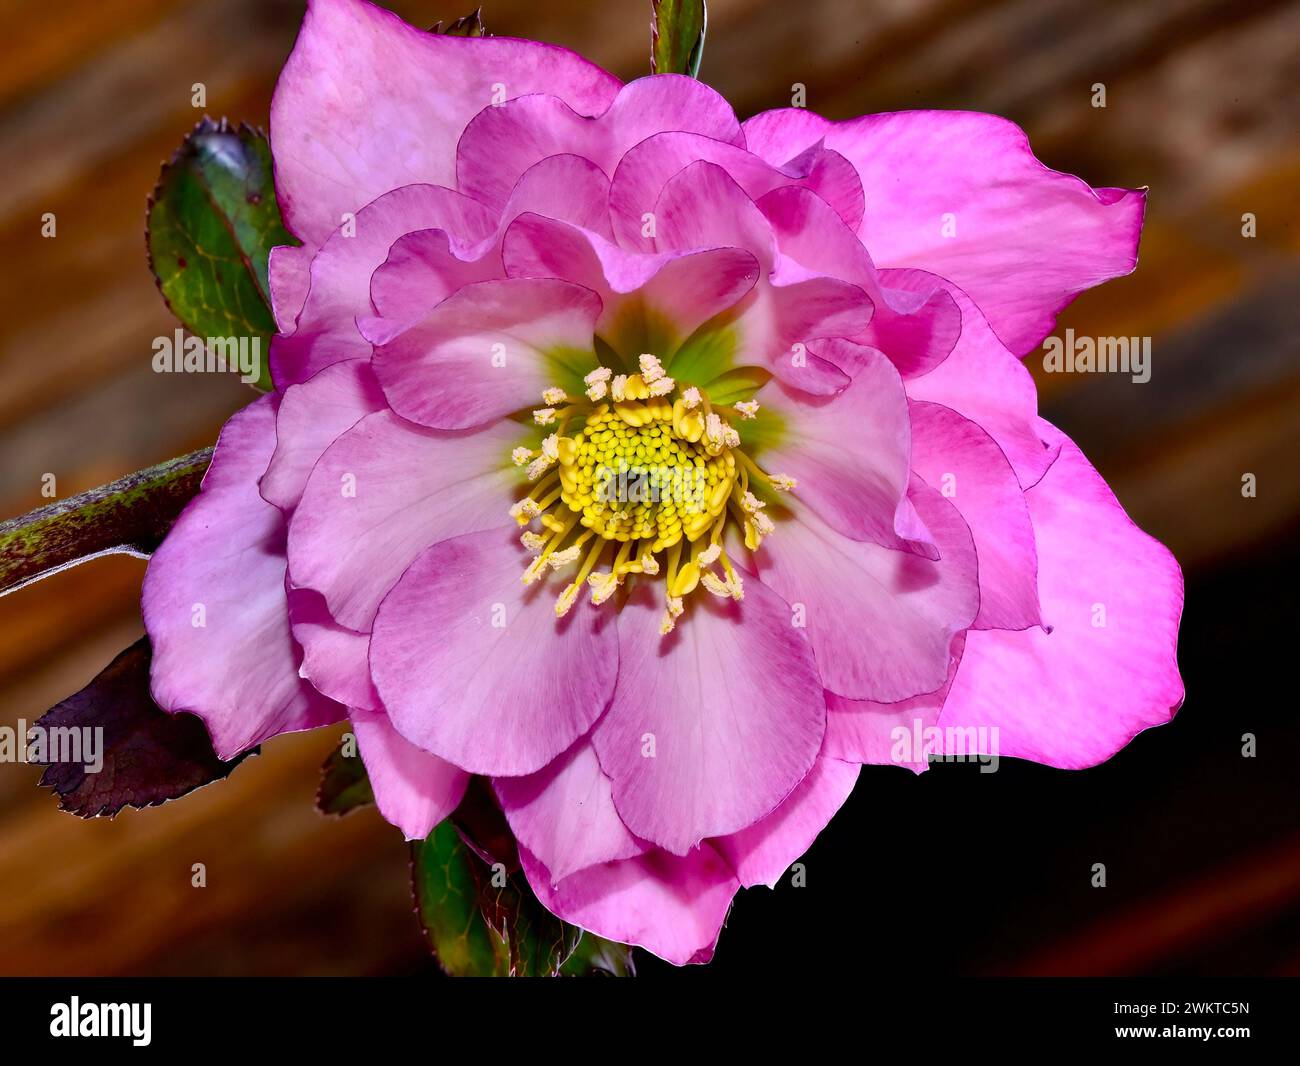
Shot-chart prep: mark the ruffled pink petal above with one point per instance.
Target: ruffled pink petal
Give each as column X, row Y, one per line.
column 367, row 103
column 335, row 659
column 651, row 302
column 701, row 207
column 729, row 705
column 1027, row 239
column 413, row 789
column 426, row 266
column 310, row 417
column 762, row 853
column 880, row 621
column 564, row 814
column 486, row 351
column 223, row 565
column 474, row 666
column 501, row 143
column 339, row 291
column 1108, row 669
column 957, row 457
column 671, row 906
column 643, row 172
column 984, row 382
column 888, row 734
column 916, row 330
column 381, row 494
column 849, row 453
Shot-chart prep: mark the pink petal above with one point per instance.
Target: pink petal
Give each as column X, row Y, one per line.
column 564, row 814
column 335, row 659
column 310, row 417
column 413, row 487
column 984, row 382
column 676, row 292
column 487, row 351
column 848, row 453
column 238, row 671
column 288, row 269
column 1075, row 696
column 673, row 907
column 732, row 704
column 880, row 621
column 762, row 853
column 413, row 789
column 367, row 103
column 501, row 143
column 1028, row 239
column 643, row 172
column 863, row 731
column 326, row 330
column 958, row 458
column 915, row 330
column 703, row 207
column 474, row 666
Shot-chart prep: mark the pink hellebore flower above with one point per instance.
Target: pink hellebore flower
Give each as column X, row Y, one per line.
column 736, row 404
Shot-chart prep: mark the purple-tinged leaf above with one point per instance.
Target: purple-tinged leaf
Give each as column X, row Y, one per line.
column 148, row 756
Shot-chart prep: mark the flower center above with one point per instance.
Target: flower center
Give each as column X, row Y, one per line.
column 645, row 476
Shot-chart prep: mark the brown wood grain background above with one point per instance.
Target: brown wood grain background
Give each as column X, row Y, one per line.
column 1203, row 107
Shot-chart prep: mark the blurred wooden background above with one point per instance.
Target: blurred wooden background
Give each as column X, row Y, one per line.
column 1203, row 103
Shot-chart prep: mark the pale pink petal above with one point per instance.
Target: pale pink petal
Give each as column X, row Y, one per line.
column 413, row 789
column 956, row 456
column 381, row 494
column 728, row 706
column 214, row 604
column 489, row 350
column 672, row 907
column 880, row 621
column 762, row 853
column 1108, row 669
column 961, row 194
column 366, row 104
column 311, row 415
column 564, row 814
column 474, row 666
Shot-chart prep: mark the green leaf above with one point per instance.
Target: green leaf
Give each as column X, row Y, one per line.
column 344, row 785
column 130, row 515
column 446, row 902
column 596, row 956
column 677, row 36
column 479, row 914
column 212, row 222
column 470, row 25
column 147, row 756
